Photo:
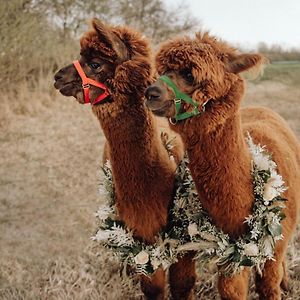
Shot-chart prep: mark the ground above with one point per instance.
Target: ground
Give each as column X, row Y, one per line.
column 50, row 155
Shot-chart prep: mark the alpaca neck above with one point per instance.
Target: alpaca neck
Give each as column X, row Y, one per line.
column 220, row 164
column 143, row 174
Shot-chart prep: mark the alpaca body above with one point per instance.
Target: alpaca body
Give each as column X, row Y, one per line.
column 223, row 177
column 207, row 70
column 143, row 173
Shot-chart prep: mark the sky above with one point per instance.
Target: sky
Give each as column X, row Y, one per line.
column 248, row 22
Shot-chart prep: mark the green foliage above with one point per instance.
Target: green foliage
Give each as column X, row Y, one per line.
column 285, row 72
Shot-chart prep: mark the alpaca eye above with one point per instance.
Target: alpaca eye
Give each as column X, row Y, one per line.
column 94, row 66
column 187, row 75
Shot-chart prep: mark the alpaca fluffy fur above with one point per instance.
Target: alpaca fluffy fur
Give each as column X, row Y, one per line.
column 220, row 161
column 143, row 174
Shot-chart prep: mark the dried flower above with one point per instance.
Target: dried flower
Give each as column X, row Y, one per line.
column 269, row 191
column 193, row 229
column 261, row 162
column 103, row 212
column 251, row 249
column 101, row 235
column 141, row 258
column 155, row 263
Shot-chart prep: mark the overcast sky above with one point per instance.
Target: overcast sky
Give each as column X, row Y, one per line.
column 248, row 22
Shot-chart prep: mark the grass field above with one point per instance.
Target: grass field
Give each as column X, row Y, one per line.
column 50, row 155
column 284, row 72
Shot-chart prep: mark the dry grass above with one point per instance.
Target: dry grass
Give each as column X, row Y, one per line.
column 50, row 155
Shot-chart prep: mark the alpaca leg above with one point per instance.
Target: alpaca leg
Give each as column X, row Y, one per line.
column 273, row 276
column 182, row 278
column 235, row 287
column 285, row 279
column 154, row 287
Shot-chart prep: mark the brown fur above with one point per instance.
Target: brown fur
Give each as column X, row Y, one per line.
column 220, row 161
column 143, row 174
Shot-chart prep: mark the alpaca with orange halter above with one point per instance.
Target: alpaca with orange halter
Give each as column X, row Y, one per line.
column 112, row 74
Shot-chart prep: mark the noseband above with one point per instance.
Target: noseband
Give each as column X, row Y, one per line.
column 179, row 97
column 86, row 84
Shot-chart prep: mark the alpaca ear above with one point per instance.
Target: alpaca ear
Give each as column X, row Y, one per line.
column 111, row 39
column 243, row 62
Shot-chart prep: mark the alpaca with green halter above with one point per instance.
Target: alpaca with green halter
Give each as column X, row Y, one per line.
column 240, row 198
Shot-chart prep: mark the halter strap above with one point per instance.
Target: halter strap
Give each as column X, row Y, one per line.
column 179, row 97
column 86, row 84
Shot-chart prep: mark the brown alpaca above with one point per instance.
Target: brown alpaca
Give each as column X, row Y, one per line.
column 208, row 70
column 143, row 174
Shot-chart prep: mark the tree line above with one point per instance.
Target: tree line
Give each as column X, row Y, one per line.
column 37, row 36
column 277, row 53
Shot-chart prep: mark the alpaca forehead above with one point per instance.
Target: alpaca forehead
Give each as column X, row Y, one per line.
column 190, row 56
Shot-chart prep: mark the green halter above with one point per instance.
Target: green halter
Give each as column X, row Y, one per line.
column 179, row 96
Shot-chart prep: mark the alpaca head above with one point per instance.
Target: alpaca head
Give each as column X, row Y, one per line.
column 203, row 68
column 105, row 53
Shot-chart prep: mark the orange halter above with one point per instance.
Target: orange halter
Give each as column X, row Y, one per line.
column 86, row 84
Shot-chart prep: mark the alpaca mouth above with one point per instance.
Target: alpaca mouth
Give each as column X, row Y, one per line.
column 159, row 110
column 66, row 89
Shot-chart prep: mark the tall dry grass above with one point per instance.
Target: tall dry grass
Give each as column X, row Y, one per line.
column 50, row 156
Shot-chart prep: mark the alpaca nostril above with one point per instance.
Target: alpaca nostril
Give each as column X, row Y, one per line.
column 58, row 76
column 153, row 93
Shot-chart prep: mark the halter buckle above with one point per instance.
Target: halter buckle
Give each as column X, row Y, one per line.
column 86, row 85
column 172, row 121
column 203, row 105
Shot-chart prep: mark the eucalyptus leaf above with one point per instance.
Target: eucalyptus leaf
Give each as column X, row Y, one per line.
column 275, row 229
column 247, row 262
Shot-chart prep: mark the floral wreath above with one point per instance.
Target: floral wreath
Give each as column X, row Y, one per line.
column 190, row 229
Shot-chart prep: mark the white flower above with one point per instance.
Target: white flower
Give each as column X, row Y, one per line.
column 155, row 263
column 209, row 251
column 270, row 192
column 251, row 249
column 276, row 179
column 261, row 161
column 254, row 232
column 120, row 236
column 248, row 219
column 192, row 229
column 101, row 235
column 141, row 258
column 103, row 212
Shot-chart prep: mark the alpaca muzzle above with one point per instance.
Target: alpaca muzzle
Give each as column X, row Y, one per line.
column 179, row 98
column 86, row 84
